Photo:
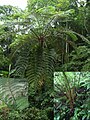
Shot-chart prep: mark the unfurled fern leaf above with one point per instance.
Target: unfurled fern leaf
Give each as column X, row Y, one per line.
column 22, row 62
column 41, row 66
column 13, row 93
column 36, row 64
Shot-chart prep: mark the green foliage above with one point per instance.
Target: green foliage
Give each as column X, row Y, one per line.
column 72, row 91
column 35, row 114
column 53, row 27
column 79, row 61
column 50, row 35
column 15, row 115
column 4, row 61
column 11, row 93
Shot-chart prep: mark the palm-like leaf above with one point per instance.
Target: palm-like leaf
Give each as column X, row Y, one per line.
column 13, row 91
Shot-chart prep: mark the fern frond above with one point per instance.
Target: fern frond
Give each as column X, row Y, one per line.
column 81, row 36
column 22, row 61
column 41, row 66
column 11, row 91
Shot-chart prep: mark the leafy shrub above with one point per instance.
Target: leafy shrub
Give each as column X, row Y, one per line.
column 15, row 115
column 35, row 114
column 77, row 108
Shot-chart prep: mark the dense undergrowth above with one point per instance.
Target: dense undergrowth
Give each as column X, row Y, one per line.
column 48, row 36
column 72, row 96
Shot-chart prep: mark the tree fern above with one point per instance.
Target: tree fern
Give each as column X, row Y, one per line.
column 36, row 65
column 41, row 65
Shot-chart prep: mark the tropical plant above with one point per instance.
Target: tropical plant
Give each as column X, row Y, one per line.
column 48, row 36
column 13, row 92
column 72, row 91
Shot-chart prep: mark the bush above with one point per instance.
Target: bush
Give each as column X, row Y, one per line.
column 35, row 114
